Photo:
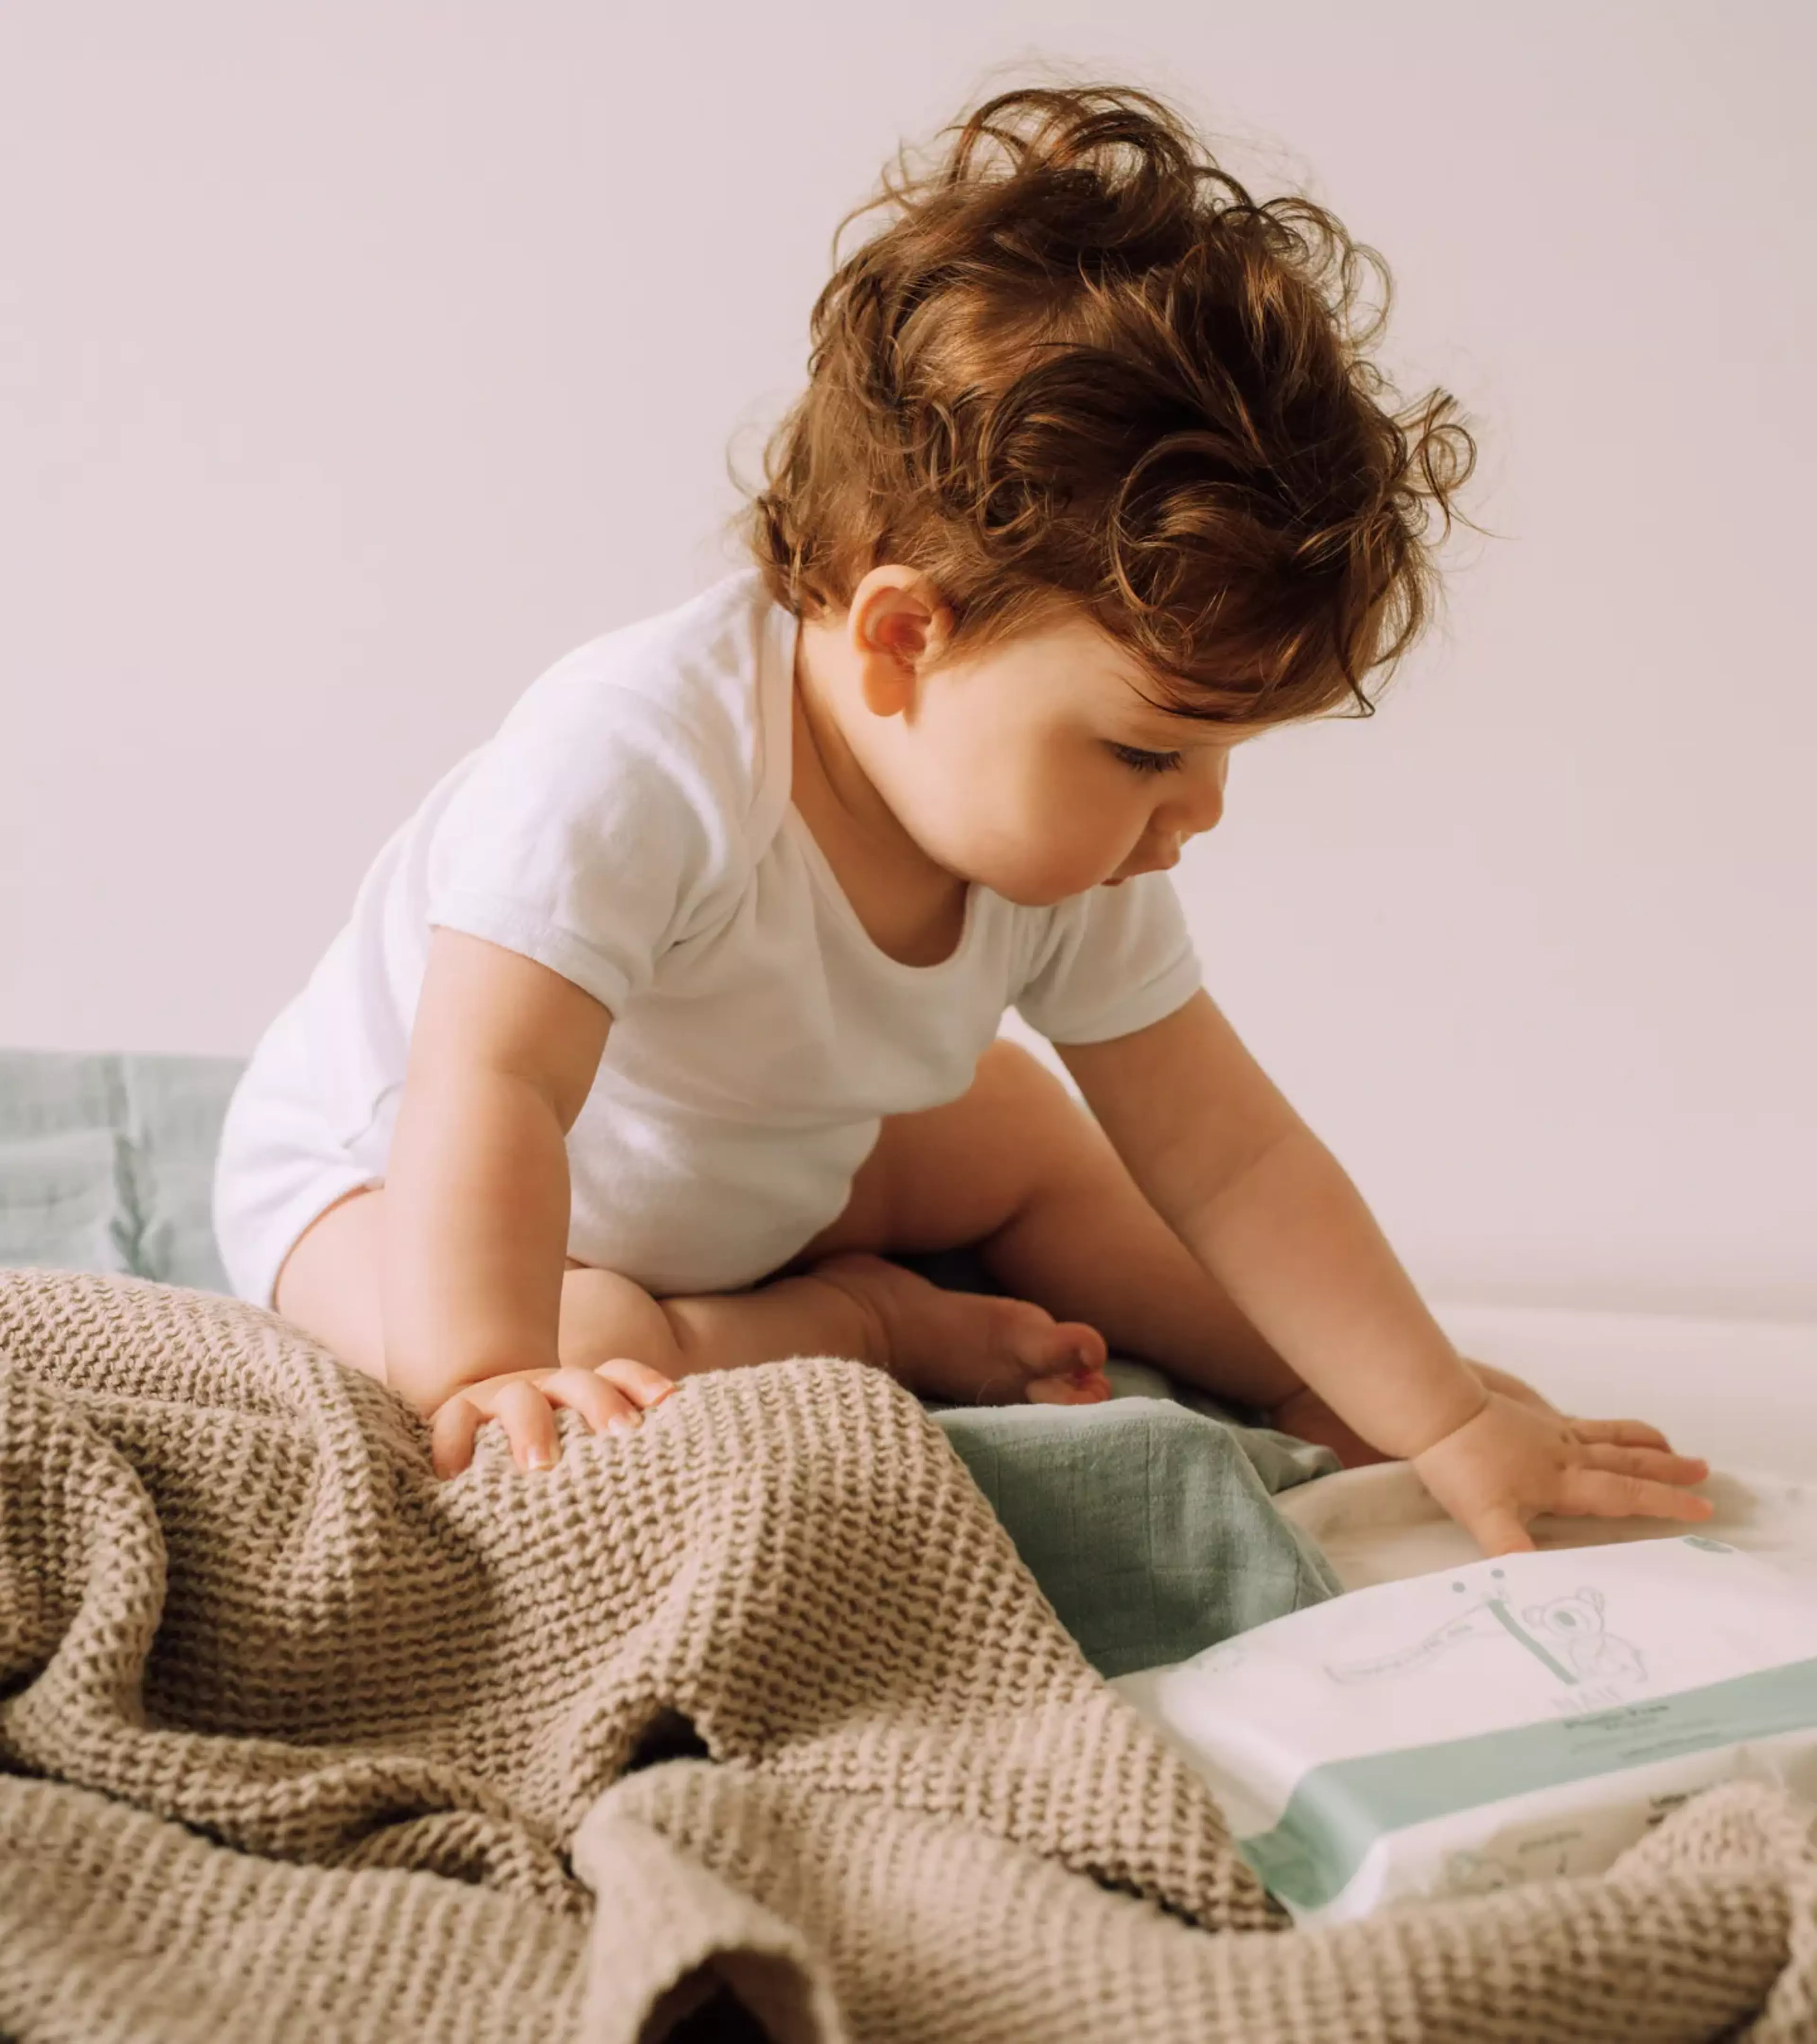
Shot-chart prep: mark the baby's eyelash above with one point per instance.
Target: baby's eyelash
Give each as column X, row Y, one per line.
column 1147, row 762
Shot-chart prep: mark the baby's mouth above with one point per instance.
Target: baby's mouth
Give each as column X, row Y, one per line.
column 1135, row 872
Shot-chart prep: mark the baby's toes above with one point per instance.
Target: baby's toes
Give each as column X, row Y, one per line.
column 1080, row 1388
column 1093, row 1351
column 1040, row 1345
column 1062, row 1360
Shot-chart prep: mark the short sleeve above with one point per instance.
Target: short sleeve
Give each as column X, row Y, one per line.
column 589, row 834
column 1111, row 961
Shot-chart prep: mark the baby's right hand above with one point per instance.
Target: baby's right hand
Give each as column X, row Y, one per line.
column 608, row 1396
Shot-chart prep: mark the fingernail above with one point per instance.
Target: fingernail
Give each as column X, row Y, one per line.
column 622, row 1423
column 540, row 1458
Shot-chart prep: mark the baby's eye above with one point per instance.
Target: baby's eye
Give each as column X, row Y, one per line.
column 1147, row 762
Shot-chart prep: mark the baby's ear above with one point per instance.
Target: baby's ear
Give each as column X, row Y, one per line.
column 898, row 620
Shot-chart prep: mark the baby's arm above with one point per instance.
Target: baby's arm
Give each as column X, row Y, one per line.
column 502, row 1053
column 1269, row 1211
column 1261, row 1202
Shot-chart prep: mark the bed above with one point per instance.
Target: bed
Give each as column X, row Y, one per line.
column 1146, row 1521
column 1144, row 1528
column 296, row 1741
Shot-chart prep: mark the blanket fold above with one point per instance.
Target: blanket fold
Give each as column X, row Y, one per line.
column 755, row 1708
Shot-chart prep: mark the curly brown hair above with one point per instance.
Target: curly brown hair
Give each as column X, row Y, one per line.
column 1082, row 365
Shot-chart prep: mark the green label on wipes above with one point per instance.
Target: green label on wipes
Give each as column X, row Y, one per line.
column 1339, row 1810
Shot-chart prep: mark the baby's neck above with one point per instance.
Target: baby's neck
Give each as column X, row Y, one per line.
column 912, row 909
column 825, row 761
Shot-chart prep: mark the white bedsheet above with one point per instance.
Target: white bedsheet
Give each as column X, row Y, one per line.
column 1741, row 1394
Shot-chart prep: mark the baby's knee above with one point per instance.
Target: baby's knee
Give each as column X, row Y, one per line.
column 1015, row 1080
column 1021, row 1105
column 604, row 1316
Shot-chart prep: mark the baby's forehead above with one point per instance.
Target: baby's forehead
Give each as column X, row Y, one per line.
column 1115, row 680
column 1145, row 706
column 1187, row 708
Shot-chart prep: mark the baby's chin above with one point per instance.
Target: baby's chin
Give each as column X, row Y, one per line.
column 1034, row 890
column 1043, row 887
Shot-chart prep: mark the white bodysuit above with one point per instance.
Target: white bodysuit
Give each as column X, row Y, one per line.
column 630, row 827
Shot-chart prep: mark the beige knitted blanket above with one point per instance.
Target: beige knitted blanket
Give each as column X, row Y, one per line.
column 750, row 1724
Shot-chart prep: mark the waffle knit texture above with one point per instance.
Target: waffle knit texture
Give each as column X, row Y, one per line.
column 748, row 1723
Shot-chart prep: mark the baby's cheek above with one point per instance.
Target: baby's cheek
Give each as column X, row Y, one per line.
column 1060, row 858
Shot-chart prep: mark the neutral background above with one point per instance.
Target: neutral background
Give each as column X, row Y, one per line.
column 356, row 360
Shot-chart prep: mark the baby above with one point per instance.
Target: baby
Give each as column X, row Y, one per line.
column 672, row 1012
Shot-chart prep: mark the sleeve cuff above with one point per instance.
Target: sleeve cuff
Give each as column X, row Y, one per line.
column 1150, row 1004
column 509, row 925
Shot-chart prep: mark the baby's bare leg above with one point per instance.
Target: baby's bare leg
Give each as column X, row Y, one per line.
column 1074, row 1233
column 943, row 1343
column 329, row 1285
column 961, row 1346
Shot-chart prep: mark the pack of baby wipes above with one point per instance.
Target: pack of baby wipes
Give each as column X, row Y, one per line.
column 1507, row 1721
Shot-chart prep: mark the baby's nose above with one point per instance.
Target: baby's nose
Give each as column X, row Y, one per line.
column 1195, row 809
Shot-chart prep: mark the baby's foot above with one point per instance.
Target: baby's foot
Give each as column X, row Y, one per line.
column 966, row 1346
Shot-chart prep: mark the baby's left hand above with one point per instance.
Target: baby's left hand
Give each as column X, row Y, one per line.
column 1307, row 1416
column 1520, row 1457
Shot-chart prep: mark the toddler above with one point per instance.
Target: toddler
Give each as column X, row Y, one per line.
column 671, row 1014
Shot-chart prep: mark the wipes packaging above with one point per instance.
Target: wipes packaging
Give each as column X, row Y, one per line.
column 1506, row 1721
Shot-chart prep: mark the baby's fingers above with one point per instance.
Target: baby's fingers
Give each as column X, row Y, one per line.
column 607, row 1396
column 518, row 1405
column 1606, row 1494
column 451, row 1429
column 1620, row 1433
column 1658, row 1464
column 600, row 1402
column 640, row 1383
column 1501, row 1530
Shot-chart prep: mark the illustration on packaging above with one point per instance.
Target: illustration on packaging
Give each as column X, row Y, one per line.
column 1568, row 1634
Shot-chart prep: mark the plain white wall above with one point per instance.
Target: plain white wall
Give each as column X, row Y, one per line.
column 356, row 360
